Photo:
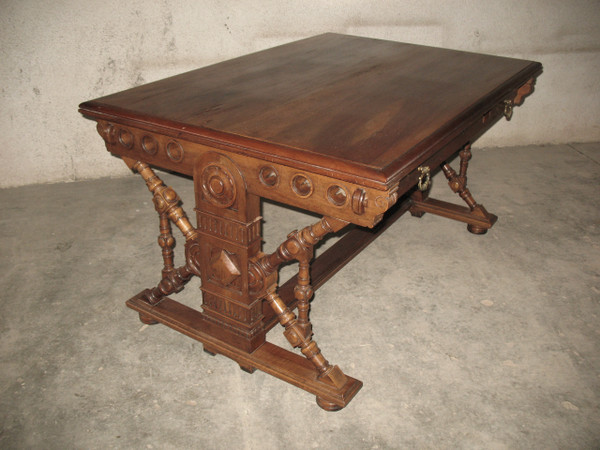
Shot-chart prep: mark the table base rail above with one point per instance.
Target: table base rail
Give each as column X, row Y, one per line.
column 269, row 358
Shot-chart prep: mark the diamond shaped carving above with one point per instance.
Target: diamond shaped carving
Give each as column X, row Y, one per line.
column 224, row 267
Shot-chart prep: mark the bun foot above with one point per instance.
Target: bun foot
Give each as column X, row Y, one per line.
column 147, row 319
column 327, row 405
column 476, row 230
column 248, row 369
column 210, row 351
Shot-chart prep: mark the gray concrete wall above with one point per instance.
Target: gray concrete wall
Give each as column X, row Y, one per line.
column 55, row 54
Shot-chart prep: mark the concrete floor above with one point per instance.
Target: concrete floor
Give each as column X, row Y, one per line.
column 461, row 341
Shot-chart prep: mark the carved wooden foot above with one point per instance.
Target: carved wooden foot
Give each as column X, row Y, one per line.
column 327, row 405
column 478, row 229
column 213, row 352
column 147, row 319
column 248, row 369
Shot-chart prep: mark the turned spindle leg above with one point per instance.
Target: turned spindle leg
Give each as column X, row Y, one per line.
column 166, row 241
column 298, row 329
column 166, row 201
column 458, row 184
column 294, row 333
column 167, row 205
column 303, row 293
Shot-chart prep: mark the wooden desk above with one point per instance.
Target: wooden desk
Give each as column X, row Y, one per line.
column 347, row 127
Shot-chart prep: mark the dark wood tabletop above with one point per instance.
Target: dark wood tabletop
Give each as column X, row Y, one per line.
column 369, row 108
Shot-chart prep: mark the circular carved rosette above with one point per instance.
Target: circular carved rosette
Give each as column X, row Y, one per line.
column 302, row 185
column 150, row 144
column 175, row 151
column 218, row 185
column 126, row 138
column 337, row 195
column 268, row 176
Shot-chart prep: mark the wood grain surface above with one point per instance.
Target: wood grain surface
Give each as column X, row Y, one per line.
column 368, row 107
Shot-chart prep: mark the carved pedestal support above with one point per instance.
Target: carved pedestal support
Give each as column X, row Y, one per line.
column 228, row 226
column 224, row 250
column 475, row 215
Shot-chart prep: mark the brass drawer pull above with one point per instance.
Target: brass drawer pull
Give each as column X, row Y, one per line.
column 424, row 178
column 508, row 109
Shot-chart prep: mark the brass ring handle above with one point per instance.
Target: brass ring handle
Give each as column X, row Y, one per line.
column 508, row 109
column 424, row 178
